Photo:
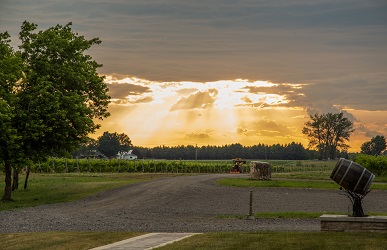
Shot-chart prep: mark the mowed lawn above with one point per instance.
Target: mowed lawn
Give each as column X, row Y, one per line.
column 62, row 187
column 282, row 240
column 210, row 241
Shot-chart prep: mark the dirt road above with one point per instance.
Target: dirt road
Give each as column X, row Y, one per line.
column 184, row 204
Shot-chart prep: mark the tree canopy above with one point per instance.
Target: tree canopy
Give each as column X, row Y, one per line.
column 375, row 146
column 50, row 97
column 328, row 133
column 110, row 144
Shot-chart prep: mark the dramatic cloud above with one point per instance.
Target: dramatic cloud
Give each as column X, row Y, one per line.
column 169, row 40
column 199, row 100
column 176, row 65
column 121, row 91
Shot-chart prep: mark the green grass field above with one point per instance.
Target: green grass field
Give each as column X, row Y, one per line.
column 282, row 240
column 61, row 240
column 292, row 183
column 54, row 188
column 216, row 240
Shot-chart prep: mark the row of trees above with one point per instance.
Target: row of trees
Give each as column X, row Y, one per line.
column 110, row 144
column 327, row 135
column 291, row 151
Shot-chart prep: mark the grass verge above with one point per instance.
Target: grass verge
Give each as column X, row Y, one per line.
column 55, row 188
column 282, row 240
column 240, row 182
column 61, row 240
column 286, row 215
column 315, row 175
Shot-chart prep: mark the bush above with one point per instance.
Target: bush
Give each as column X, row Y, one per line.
column 375, row 164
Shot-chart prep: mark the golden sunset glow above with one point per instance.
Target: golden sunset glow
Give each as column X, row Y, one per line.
column 222, row 112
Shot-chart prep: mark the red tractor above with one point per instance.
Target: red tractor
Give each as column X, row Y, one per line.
column 237, row 166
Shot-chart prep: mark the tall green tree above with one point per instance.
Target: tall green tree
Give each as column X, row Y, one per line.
column 10, row 141
column 328, row 133
column 375, row 146
column 110, row 144
column 54, row 105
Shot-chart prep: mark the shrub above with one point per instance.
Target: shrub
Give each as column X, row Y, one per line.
column 375, row 164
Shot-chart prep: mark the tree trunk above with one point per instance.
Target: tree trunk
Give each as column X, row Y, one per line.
column 15, row 183
column 8, row 182
column 27, row 174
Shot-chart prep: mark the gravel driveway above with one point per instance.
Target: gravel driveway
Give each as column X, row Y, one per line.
column 184, row 204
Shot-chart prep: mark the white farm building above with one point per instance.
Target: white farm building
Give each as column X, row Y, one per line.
column 126, row 155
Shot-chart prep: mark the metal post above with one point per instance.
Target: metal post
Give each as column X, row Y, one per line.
column 251, row 216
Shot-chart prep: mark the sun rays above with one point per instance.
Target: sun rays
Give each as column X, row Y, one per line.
column 221, row 112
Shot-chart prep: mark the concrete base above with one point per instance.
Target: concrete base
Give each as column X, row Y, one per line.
column 345, row 223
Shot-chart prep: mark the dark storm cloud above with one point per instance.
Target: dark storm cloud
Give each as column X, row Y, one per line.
column 358, row 92
column 120, row 91
column 339, row 46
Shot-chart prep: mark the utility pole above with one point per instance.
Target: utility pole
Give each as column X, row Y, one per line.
column 196, row 152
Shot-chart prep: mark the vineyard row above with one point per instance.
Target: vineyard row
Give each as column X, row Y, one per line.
column 55, row 165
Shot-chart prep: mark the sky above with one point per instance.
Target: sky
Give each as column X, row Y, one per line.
column 218, row 72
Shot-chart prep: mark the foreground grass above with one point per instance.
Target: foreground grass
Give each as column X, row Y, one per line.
column 61, row 240
column 222, row 240
column 55, row 188
column 282, row 240
column 310, row 175
column 243, row 182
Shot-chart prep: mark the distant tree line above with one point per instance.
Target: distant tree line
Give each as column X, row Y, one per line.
column 291, row 151
column 328, row 135
column 110, row 144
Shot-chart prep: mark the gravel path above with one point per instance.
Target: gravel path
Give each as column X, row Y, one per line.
column 184, row 204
